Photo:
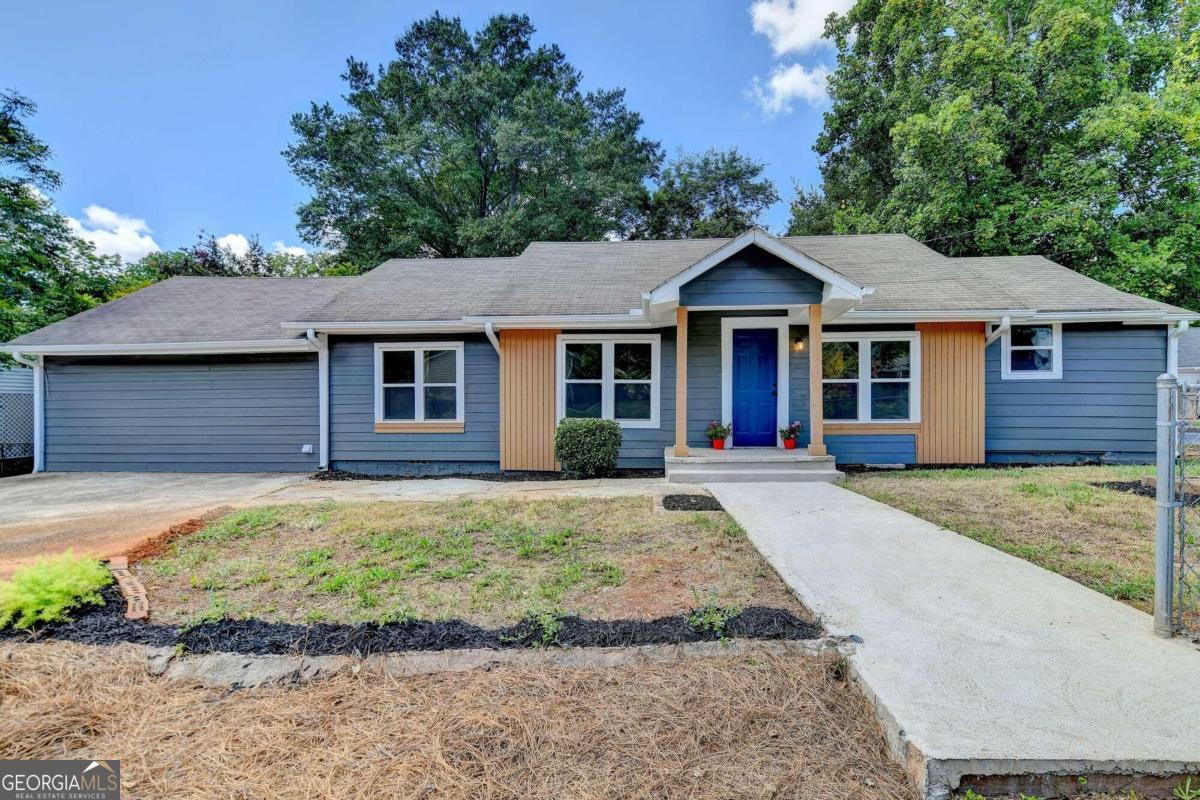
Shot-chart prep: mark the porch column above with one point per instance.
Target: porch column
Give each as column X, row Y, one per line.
column 816, row 445
column 681, row 382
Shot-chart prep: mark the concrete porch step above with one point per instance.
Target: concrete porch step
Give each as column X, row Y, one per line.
column 746, row 455
column 730, row 465
column 750, row 473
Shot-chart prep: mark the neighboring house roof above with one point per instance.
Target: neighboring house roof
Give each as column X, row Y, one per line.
column 1189, row 349
column 567, row 279
column 16, row 380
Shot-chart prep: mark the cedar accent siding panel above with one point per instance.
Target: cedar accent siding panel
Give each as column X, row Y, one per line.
column 354, row 444
column 214, row 414
column 527, row 399
column 1104, row 405
column 952, row 393
column 752, row 277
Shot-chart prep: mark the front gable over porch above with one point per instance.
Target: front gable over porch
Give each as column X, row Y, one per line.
column 758, row 270
column 752, row 278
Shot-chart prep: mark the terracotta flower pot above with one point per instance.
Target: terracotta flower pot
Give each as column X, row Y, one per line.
column 789, row 444
column 718, row 444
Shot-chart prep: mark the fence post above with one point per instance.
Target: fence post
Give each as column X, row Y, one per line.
column 1165, row 491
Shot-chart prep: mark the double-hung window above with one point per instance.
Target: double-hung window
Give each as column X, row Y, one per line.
column 871, row 377
column 419, row 382
column 609, row 377
column 1032, row 352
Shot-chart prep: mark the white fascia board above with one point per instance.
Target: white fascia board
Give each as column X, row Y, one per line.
column 165, row 348
column 837, row 285
column 633, row 319
column 386, row 326
column 857, row 316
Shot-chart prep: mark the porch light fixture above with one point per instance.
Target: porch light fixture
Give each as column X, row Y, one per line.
column 798, row 345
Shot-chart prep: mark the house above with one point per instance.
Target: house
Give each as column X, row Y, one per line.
column 465, row 365
column 1189, row 356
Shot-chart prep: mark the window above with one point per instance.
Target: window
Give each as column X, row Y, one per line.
column 609, row 377
column 419, row 382
column 1032, row 352
column 871, row 377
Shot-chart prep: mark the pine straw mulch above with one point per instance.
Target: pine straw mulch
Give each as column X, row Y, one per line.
column 707, row 728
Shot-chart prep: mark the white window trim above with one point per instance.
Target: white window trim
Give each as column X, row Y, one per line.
column 607, row 343
column 1007, row 373
column 418, row 349
column 782, row 400
column 864, row 379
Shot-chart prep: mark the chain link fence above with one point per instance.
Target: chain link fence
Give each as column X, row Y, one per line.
column 1177, row 543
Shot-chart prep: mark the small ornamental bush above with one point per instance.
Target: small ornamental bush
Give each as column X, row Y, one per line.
column 587, row 448
column 47, row 589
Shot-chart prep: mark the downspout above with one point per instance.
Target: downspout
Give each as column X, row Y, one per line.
column 490, row 330
column 1005, row 325
column 1173, row 335
column 39, row 408
column 321, row 343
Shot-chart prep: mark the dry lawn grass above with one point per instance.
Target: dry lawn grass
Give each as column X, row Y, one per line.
column 1052, row 516
column 491, row 562
column 708, row 728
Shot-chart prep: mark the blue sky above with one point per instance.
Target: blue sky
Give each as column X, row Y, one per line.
column 169, row 117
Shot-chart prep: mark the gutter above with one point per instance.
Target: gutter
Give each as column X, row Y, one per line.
column 320, row 342
column 39, row 406
column 165, row 348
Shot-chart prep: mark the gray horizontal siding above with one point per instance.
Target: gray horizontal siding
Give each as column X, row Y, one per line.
column 753, row 277
column 876, row 448
column 210, row 414
column 352, row 407
column 1104, row 404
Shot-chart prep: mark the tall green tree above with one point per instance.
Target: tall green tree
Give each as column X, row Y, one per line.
column 717, row 193
column 46, row 272
column 468, row 145
column 1066, row 128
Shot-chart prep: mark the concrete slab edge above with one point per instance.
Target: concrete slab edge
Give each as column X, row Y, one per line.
column 938, row 779
column 236, row 671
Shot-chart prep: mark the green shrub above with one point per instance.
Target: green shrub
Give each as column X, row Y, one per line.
column 47, row 589
column 587, row 448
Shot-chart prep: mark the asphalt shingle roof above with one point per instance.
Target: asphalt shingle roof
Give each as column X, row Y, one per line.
column 551, row 278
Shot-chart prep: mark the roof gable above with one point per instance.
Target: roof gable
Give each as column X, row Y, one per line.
column 836, row 284
column 752, row 277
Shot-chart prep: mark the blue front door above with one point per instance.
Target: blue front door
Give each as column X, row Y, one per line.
column 755, row 363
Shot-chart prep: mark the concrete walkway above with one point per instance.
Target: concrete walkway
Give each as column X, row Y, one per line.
column 979, row 663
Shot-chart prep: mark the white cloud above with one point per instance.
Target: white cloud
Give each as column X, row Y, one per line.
column 788, row 84
column 291, row 250
column 794, row 26
column 235, row 243
column 113, row 233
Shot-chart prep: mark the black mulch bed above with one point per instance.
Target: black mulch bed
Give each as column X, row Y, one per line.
column 1140, row 489
column 107, row 626
column 1129, row 487
column 691, row 502
column 498, row 477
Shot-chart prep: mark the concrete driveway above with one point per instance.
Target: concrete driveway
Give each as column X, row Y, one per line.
column 979, row 663
column 105, row 513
